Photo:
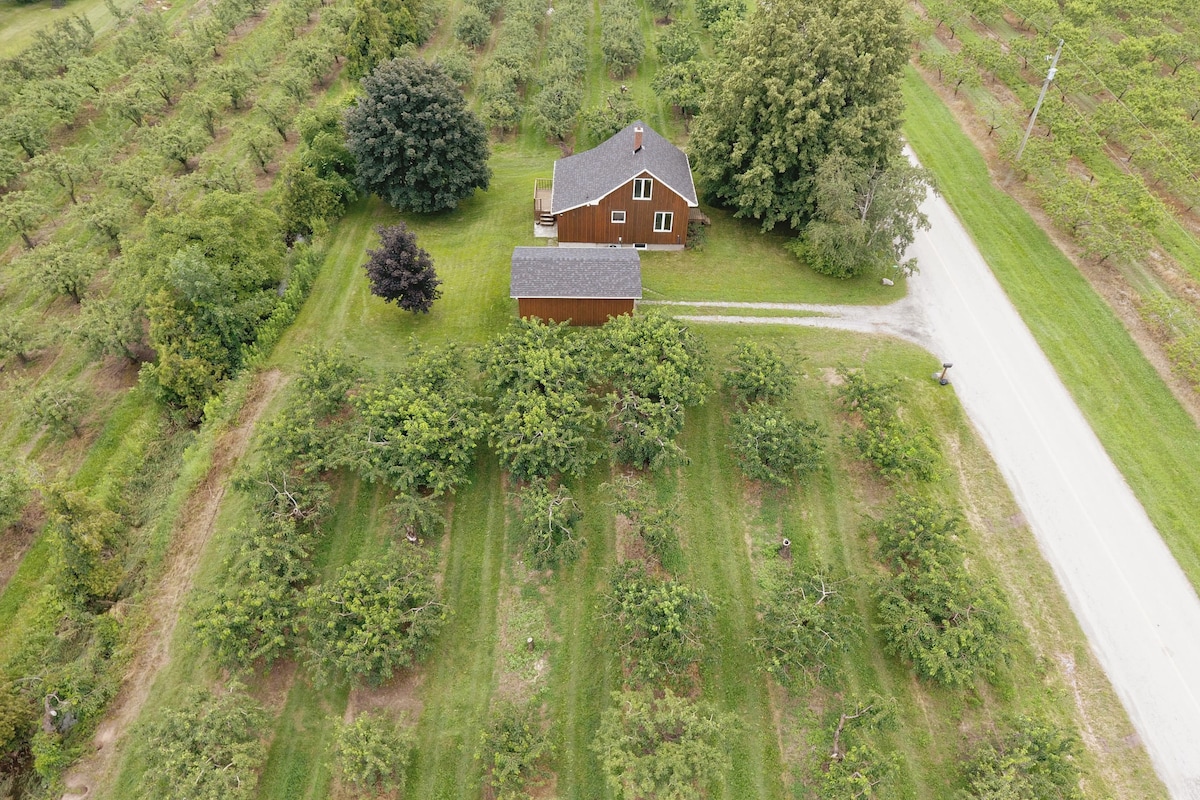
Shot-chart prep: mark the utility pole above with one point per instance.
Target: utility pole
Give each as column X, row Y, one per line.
column 1041, row 97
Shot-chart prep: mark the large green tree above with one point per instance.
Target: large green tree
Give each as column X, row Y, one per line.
column 660, row 626
column 655, row 356
column 207, row 747
column 15, row 489
column 547, row 520
column 378, row 29
column 417, row 144
column 772, row 445
column 211, row 269
column 514, row 749
column 807, row 621
column 758, row 373
column 865, row 217
column 373, row 618
column 668, row 747
column 802, row 79
column 544, row 422
column 951, row 623
column 1035, row 760
column 89, row 544
column 373, row 752
column 251, row 616
column 417, row 430
column 61, row 269
column 22, row 211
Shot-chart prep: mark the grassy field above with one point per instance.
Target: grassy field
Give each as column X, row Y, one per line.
column 1150, row 437
column 19, row 22
column 729, row 529
column 739, row 263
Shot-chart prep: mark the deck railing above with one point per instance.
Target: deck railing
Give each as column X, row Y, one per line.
column 542, row 188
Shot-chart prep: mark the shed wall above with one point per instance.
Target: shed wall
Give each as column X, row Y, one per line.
column 579, row 311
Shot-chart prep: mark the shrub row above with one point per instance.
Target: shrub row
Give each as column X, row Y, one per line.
column 952, row 625
column 374, row 616
column 898, row 449
column 621, row 40
column 1129, row 71
column 505, row 80
column 1179, row 326
column 556, row 106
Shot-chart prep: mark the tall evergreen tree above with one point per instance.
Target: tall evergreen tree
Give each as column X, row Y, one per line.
column 803, row 79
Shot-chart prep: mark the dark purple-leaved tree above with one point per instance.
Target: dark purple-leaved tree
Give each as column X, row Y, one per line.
column 401, row 272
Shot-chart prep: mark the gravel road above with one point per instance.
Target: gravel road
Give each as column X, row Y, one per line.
column 1139, row 612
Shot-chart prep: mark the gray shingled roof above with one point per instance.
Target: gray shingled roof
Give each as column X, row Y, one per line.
column 576, row 272
column 588, row 176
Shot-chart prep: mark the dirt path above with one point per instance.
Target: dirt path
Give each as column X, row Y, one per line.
column 1132, row 600
column 197, row 519
column 903, row 318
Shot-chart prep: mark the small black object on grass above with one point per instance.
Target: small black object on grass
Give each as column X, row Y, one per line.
column 940, row 377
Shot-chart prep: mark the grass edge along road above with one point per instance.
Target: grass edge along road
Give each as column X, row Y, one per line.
column 1149, row 436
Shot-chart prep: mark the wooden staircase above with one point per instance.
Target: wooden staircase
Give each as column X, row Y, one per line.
column 542, row 190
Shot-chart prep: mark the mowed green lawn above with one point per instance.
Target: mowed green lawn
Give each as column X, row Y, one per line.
column 472, row 249
column 1147, row 433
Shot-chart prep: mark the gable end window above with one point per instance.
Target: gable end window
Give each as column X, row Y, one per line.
column 663, row 220
column 642, row 188
column 618, row 217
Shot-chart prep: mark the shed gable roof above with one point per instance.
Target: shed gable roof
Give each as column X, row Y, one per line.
column 591, row 175
column 610, row 273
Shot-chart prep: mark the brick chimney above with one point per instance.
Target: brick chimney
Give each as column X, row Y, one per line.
column 637, row 139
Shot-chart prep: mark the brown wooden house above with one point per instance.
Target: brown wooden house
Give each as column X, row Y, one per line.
column 585, row 286
column 633, row 190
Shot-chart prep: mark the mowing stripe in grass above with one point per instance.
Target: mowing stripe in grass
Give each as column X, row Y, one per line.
column 460, row 678
column 1149, row 436
column 297, row 764
column 713, row 524
column 583, row 670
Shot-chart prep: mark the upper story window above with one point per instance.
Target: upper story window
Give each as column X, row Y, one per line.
column 642, row 188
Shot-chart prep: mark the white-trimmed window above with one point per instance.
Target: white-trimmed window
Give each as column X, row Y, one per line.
column 642, row 187
column 618, row 217
column 663, row 221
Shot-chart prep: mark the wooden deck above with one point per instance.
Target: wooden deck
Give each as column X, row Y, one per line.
column 542, row 189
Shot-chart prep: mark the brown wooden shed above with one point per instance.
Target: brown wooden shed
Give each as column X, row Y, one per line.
column 585, row 286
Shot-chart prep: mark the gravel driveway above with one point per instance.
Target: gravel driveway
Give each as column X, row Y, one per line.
column 1138, row 610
